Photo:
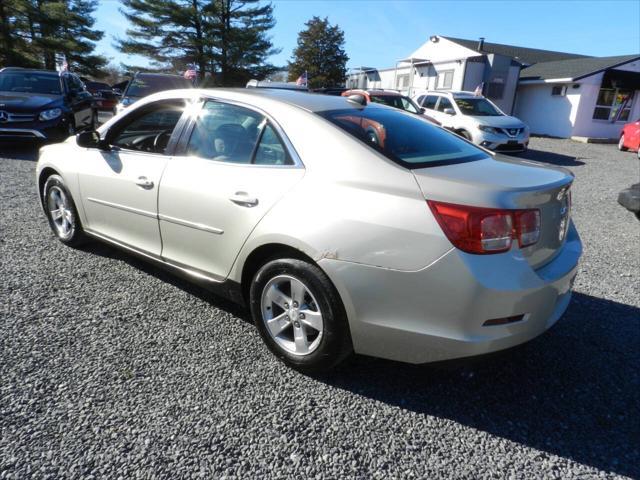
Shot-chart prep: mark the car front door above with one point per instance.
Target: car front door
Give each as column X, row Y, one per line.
column 80, row 101
column 119, row 184
column 235, row 165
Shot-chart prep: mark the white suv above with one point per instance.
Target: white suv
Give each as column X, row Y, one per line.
column 477, row 119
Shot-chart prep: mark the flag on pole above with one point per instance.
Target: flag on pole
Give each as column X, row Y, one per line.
column 302, row 79
column 478, row 91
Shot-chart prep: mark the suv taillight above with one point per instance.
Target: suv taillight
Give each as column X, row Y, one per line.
column 486, row 230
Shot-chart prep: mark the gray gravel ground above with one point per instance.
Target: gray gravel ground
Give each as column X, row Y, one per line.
column 110, row 368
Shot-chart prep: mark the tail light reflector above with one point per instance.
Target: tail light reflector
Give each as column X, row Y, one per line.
column 486, row 230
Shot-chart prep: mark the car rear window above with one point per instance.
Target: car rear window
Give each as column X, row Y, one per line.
column 404, row 138
column 143, row 85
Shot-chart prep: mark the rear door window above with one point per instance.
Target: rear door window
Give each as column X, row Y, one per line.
column 408, row 140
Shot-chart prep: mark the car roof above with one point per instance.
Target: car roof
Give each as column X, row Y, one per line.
column 375, row 91
column 150, row 74
column 30, row 70
column 311, row 102
column 454, row 94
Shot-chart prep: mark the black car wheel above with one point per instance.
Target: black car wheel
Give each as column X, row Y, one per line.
column 300, row 315
column 61, row 212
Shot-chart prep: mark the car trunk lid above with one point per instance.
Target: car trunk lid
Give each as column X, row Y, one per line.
column 507, row 183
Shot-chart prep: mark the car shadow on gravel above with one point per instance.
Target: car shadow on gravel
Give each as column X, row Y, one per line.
column 191, row 287
column 550, row 157
column 573, row 392
column 19, row 151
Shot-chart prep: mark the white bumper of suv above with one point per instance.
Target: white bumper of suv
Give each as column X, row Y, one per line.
column 503, row 139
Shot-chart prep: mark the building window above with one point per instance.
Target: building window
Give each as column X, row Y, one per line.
column 558, row 91
column 613, row 104
column 402, row 82
column 444, row 81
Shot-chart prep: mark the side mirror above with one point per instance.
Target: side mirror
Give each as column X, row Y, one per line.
column 449, row 111
column 89, row 140
column 422, row 110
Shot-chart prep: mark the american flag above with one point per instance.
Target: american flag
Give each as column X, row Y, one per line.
column 302, row 79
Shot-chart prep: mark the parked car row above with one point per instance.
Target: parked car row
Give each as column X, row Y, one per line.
column 49, row 106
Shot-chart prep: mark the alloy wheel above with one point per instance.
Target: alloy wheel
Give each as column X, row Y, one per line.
column 292, row 315
column 60, row 212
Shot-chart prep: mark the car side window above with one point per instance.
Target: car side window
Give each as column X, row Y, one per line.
column 444, row 104
column 430, row 102
column 420, row 99
column 226, row 133
column 271, row 150
column 149, row 129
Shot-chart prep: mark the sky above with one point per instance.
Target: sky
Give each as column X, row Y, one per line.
column 380, row 32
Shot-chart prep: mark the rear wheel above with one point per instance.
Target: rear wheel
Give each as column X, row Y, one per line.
column 621, row 146
column 300, row 315
column 61, row 212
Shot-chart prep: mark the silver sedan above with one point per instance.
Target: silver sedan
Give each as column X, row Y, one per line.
column 343, row 227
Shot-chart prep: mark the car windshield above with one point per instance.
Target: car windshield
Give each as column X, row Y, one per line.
column 143, row 85
column 396, row 101
column 30, row 82
column 480, row 107
column 409, row 140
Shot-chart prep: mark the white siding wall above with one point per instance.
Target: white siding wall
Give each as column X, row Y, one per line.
column 584, row 125
column 544, row 113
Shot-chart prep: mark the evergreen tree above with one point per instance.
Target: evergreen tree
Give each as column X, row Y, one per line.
column 320, row 53
column 227, row 38
column 172, row 33
column 240, row 46
column 33, row 33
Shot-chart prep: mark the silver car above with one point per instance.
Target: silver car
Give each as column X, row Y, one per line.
column 344, row 228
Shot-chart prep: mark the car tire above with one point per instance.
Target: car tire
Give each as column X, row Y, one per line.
column 71, row 127
column 94, row 121
column 464, row 134
column 621, row 146
column 62, row 213
column 299, row 315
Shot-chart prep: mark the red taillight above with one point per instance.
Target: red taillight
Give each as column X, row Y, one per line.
column 527, row 227
column 486, row 230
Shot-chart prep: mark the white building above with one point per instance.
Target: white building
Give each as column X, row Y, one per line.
column 556, row 93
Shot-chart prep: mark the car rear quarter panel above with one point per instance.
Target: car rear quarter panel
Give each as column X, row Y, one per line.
column 352, row 205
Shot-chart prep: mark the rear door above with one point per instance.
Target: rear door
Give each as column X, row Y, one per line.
column 119, row 186
column 235, row 165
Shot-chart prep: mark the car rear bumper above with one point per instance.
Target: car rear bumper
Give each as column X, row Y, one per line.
column 438, row 313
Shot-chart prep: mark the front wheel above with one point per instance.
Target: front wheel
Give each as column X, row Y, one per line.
column 299, row 315
column 621, row 146
column 61, row 212
column 464, row 134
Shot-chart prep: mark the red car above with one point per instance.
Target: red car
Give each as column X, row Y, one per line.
column 392, row 99
column 630, row 137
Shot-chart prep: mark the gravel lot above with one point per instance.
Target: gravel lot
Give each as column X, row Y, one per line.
column 111, row 368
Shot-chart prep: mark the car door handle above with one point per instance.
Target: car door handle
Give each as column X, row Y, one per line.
column 144, row 183
column 243, row 199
